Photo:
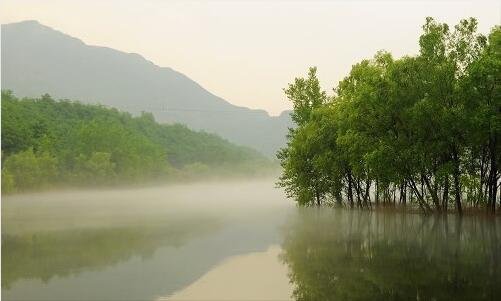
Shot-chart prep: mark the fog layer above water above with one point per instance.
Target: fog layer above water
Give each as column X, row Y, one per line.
column 185, row 241
column 143, row 243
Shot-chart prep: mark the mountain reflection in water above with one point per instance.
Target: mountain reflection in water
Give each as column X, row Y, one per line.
column 137, row 244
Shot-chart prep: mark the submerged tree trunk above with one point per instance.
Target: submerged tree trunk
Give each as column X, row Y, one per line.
column 357, row 190
column 394, row 194
column 457, row 185
column 483, row 163
column 403, row 189
column 317, row 196
column 350, row 189
column 445, row 197
column 493, row 179
column 338, row 196
column 433, row 192
column 366, row 195
column 421, row 202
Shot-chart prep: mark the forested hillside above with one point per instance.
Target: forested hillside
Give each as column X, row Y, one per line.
column 37, row 59
column 422, row 129
column 48, row 143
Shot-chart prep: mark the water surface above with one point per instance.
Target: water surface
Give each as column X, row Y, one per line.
column 363, row 255
column 237, row 241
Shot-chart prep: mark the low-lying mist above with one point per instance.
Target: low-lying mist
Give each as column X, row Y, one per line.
column 58, row 238
column 121, row 206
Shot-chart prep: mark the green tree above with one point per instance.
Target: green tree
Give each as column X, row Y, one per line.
column 29, row 170
column 300, row 177
column 421, row 129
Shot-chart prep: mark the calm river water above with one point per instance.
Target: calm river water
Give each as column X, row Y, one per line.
column 237, row 241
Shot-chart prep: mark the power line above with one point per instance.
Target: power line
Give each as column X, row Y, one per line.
column 162, row 109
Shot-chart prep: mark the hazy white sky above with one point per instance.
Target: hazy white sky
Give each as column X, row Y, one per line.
column 247, row 51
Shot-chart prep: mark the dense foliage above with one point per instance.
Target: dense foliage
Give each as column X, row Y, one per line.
column 421, row 129
column 47, row 143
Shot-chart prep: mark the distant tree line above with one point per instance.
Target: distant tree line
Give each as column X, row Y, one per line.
column 422, row 130
column 48, row 143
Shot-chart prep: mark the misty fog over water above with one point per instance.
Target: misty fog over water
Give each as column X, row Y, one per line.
column 236, row 240
column 137, row 244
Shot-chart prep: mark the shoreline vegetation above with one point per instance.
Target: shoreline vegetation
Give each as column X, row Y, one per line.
column 422, row 132
column 49, row 144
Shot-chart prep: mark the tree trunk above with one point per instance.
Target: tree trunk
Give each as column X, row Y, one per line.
column 433, row 192
column 457, row 185
column 403, row 188
column 493, row 179
column 445, row 198
column 357, row 190
column 422, row 204
column 366, row 195
column 350, row 189
column 480, row 196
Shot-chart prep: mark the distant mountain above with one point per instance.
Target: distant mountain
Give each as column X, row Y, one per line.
column 37, row 59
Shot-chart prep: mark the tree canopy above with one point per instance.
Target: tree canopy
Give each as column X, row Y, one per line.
column 47, row 143
column 421, row 129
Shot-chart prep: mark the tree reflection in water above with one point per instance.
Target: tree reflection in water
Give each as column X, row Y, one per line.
column 359, row 255
column 47, row 254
